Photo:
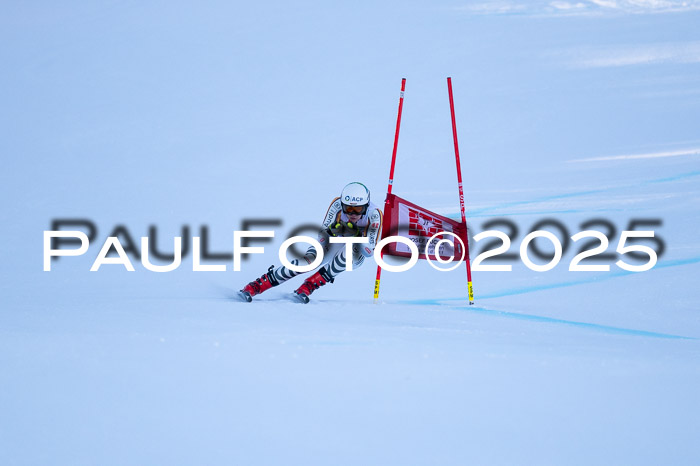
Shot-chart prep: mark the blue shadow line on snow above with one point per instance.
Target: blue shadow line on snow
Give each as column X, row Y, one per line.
column 551, row 320
column 484, row 210
column 583, row 281
column 458, row 217
column 535, row 318
column 680, row 176
column 587, row 325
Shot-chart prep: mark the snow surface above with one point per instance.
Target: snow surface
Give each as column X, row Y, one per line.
column 142, row 115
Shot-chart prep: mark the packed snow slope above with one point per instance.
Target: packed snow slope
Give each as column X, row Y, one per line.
column 138, row 115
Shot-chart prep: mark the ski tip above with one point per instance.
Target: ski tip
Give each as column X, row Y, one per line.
column 245, row 296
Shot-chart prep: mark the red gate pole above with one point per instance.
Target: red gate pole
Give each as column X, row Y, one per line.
column 470, row 289
column 387, row 204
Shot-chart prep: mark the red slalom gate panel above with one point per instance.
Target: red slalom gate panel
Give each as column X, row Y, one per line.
column 424, row 229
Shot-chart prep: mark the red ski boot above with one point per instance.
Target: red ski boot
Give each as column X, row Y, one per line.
column 311, row 284
column 260, row 285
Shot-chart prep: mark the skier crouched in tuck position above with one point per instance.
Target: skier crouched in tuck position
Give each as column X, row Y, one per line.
column 351, row 214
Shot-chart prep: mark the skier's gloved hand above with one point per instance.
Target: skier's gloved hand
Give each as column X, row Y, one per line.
column 351, row 230
column 336, row 229
column 343, row 229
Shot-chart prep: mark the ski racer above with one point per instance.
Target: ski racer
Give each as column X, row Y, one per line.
column 350, row 215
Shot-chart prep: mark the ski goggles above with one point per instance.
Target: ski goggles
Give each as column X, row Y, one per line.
column 354, row 209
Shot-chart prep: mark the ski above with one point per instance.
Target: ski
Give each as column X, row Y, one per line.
column 245, row 296
column 300, row 297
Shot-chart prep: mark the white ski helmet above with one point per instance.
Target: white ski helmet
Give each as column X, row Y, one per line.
column 355, row 195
